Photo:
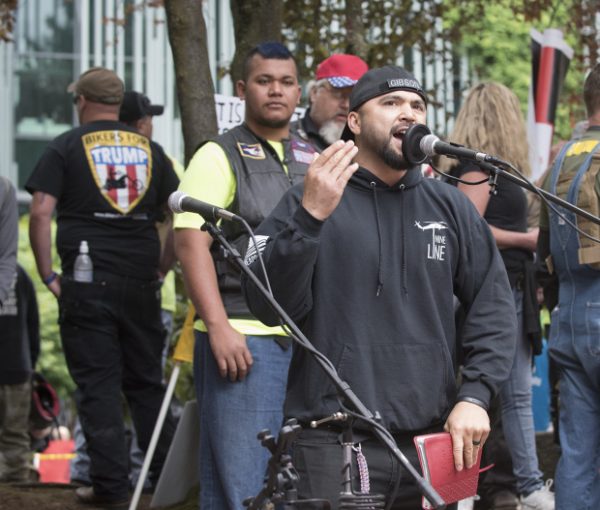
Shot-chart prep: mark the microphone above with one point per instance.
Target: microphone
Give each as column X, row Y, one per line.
column 419, row 144
column 181, row 202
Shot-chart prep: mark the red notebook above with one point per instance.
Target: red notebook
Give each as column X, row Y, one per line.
column 437, row 464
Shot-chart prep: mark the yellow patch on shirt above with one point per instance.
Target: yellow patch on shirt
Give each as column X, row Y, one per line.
column 582, row 147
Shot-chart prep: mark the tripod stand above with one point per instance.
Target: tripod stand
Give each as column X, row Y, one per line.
column 282, row 479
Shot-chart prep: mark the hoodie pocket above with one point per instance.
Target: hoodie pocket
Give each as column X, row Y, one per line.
column 411, row 385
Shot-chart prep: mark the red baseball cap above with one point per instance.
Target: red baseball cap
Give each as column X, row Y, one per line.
column 341, row 70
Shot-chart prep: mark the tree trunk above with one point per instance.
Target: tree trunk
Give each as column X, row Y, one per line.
column 195, row 89
column 355, row 29
column 254, row 21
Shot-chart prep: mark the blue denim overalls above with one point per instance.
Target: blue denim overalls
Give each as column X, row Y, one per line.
column 575, row 346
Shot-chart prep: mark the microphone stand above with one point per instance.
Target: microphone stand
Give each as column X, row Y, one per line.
column 415, row 155
column 342, row 386
column 496, row 171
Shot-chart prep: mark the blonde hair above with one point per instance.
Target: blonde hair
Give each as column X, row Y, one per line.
column 490, row 120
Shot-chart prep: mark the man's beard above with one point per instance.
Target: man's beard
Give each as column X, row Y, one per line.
column 331, row 131
column 385, row 151
column 392, row 158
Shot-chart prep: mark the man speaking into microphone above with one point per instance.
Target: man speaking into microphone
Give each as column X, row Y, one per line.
column 367, row 256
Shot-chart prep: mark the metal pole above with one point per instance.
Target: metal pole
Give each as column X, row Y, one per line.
column 155, row 435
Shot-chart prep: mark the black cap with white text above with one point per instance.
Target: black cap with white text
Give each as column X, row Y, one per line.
column 380, row 81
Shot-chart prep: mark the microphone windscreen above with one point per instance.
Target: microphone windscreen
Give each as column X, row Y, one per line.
column 174, row 201
column 411, row 144
column 428, row 144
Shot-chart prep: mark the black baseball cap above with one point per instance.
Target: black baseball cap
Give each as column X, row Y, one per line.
column 136, row 106
column 380, row 81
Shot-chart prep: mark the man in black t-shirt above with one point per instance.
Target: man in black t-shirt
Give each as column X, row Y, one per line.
column 108, row 184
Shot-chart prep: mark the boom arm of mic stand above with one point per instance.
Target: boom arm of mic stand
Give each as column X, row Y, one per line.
column 343, row 388
column 529, row 186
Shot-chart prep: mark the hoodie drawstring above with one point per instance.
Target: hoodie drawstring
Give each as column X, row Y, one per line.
column 404, row 273
column 373, row 185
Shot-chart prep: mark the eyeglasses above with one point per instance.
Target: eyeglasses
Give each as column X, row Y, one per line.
column 75, row 99
column 339, row 94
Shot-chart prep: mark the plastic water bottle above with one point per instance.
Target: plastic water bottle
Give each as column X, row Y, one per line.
column 83, row 271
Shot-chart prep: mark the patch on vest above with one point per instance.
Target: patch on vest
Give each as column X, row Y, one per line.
column 121, row 164
column 251, row 150
column 303, row 152
column 582, row 147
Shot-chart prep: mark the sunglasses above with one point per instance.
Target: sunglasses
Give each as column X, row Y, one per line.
column 75, row 99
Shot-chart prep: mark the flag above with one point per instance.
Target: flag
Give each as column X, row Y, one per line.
column 184, row 349
column 550, row 57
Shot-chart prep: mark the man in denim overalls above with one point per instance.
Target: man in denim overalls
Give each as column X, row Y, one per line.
column 575, row 327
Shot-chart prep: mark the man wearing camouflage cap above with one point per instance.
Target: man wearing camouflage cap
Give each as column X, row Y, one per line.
column 108, row 184
column 368, row 256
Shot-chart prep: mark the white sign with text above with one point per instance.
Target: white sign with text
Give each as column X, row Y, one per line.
column 230, row 112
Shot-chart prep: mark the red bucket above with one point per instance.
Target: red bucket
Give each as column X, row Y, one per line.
column 54, row 462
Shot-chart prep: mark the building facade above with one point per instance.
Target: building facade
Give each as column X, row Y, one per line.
column 56, row 40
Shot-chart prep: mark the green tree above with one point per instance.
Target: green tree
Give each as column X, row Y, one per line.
column 494, row 35
column 497, row 44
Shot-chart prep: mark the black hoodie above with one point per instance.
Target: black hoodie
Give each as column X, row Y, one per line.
column 373, row 288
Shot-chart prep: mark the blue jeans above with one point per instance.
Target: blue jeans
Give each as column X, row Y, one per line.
column 517, row 414
column 232, row 461
column 575, row 347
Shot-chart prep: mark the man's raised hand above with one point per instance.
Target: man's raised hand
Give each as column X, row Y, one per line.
column 327, row 177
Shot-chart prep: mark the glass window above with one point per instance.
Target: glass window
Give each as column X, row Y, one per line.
column 43, row 69
column 45, row 26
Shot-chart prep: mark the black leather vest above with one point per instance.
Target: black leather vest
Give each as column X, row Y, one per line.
column 261, row 181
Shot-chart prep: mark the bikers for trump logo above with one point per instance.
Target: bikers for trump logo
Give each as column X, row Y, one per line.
column 121, row 164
